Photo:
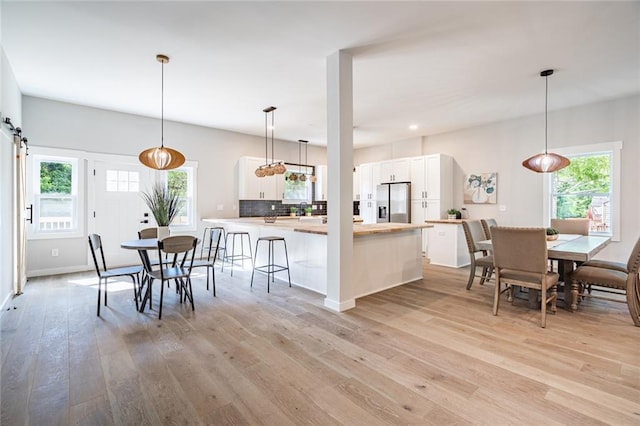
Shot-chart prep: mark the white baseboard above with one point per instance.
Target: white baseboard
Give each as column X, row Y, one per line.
column 57, row 271
column 4, row 302
column 339, row 306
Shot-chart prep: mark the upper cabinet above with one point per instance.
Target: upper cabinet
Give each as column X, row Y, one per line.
column 398, row 170
column 251, row 187
column 321, row 183
column 369, row 179
column 431, row 177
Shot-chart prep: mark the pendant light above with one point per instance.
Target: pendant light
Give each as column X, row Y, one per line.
column 273, row 168
column 546, row 162
column 161, row 158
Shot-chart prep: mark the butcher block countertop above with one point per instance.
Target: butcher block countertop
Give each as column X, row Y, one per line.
column 447, row 221
column 359, row 229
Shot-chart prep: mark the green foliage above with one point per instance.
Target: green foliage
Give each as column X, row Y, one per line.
column 579, row 182
column 308, row 209
column 552, row 231
column 55, row 178
column 163, row 203
column 293, row 209
column 453, row 211
column 177, row 181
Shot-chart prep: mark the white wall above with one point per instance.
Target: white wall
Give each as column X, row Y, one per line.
column 501, row 147
column 10, row 106
column 64, row 125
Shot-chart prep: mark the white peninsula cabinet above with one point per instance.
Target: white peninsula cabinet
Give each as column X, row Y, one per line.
column 251, row 187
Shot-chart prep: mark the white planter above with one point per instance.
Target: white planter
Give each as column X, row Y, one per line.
column 163, row 232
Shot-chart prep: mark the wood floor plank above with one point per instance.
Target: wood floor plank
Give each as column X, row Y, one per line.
column 428, row 352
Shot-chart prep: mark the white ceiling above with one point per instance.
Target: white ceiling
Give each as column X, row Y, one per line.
column 440, row 65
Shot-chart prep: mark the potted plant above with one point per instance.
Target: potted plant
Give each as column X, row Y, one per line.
column 552, row 234
column 164, row 205
column 308, row 210
column 293, row 211
column 454, row 214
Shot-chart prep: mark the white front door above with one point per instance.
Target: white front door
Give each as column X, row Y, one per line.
column 119, row 210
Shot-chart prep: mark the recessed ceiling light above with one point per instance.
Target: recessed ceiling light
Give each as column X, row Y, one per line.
column 413, row 127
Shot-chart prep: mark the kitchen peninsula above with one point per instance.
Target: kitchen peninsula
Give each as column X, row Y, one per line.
column 385, row 255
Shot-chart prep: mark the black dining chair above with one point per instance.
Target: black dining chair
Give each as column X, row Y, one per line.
column 95, row 244
column 182, row 249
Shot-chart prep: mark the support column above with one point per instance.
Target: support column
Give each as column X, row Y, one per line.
column 340, row 181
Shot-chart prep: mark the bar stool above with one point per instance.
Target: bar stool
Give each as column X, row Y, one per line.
column 271, row 267
column 222, row 238
column 233, row 257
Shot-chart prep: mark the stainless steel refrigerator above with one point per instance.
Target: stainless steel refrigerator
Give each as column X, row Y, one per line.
column 394, row 202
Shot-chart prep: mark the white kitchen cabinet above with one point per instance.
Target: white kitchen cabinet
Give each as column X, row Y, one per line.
column 321, row 183
column 369, row 179
column 432, row 180
column 398, row 170
column 251, row 187
column 447, row 245
column 368, row 211
column 421, row 211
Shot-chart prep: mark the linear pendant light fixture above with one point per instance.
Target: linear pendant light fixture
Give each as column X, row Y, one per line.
column 273, row 168
column 161, row 158
column 546, row 162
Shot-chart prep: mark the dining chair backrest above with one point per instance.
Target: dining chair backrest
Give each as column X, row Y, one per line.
column 145, row 233
column 176, row 245
column 520, row 249
column 486, row 225
column 571, row 226
column 214, row 243
column 473, row 233
column 95, row 244
column 633, row 264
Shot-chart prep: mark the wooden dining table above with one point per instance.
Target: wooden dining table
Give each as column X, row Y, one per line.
column 568, row 250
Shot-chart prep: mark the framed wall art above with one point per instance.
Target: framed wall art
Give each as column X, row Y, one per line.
column 480, row 188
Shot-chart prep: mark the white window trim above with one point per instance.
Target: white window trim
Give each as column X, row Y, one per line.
column 615, row 149
column 192, row 170
column 36, row 156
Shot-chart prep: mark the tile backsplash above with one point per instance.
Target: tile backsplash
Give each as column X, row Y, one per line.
column 261, row 208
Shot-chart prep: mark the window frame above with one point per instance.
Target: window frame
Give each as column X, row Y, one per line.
column 39, row 155
column 612, row 148
column 191, row 168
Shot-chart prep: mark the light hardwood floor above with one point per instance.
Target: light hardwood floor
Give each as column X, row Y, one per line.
column 429, row 352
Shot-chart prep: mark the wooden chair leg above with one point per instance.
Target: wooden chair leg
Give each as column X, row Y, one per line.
column 472, row 274
column 496, row 298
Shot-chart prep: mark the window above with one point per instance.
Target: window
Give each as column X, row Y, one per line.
column 588, row 187
column 181, row 181
column 297, row 190
column 55, row 201
column 122, row 181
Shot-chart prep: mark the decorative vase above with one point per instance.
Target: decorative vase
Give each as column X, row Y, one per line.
column 163, row 232
column 292, row 214
column 552, row 237
column 307, row 213
column 451, row 217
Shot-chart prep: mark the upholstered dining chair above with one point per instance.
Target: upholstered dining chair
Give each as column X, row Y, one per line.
column 520, row 258
column 215, row 235
column 182, row 249
column 486, row 226
column 571, row 226
column 133, row 272
column 473, row 232
column 610, row 277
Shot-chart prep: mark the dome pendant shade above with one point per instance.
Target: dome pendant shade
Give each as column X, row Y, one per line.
column 546, row 162
column 162, row 158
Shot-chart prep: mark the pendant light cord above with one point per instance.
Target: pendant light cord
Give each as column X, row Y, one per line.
column 266, row 139
column 162, row 107
column 546, row 96
column 272, row 122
